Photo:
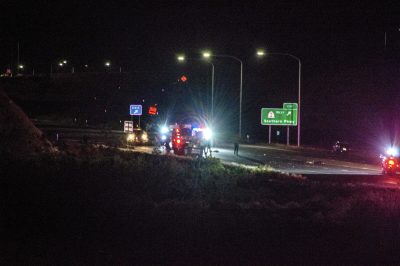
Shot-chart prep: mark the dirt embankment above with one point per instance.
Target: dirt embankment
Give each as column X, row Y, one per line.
column 18, row 135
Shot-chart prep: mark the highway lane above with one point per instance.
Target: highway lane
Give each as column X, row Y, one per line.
column 323, row 167
column 282, row 158
column 295, row 161
column 286, row 160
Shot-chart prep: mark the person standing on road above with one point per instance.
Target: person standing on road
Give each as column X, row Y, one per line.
column 236, row 148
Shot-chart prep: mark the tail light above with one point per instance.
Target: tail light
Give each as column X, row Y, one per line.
column 391, row 162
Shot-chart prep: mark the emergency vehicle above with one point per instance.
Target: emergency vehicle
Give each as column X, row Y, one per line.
column 191, row 140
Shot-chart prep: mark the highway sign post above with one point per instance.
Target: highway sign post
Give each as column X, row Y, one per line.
column 135, row 109
column 128, row 126
column 278, row 117
column 290, row 106
column 286, row 116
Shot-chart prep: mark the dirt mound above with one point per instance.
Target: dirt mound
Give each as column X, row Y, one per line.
column 18, row 135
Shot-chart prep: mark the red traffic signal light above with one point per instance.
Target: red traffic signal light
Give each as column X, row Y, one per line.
column 183, row 78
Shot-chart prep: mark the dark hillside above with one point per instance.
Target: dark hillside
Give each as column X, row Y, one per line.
column 18, row 136
column 99, row 98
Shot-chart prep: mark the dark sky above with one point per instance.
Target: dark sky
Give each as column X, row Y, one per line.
column 333, row 39
column 145, row 32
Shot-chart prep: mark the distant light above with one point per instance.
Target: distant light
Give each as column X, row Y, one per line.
column 183, row 78
column 60, row 64
column 107, row 64
column 206, row 54
column 21, row 66
column 86, row 66
column 181, row 58
column 65, row 61
column 260, row 52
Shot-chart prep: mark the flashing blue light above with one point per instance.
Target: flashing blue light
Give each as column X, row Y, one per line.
column 164, row 130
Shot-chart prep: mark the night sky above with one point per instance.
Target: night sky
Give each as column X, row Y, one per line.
column 346, row 67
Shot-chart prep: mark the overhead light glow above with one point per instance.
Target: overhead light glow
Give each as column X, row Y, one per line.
column 260, row 52
column 206, row 54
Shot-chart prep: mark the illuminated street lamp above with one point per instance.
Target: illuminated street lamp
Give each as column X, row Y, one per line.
column 181, row 58
column 261, row 53
column 107, row 64
column 208, row 55
column 21, row 67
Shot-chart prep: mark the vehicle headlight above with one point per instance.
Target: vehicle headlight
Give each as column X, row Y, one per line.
column 145, row 137
column 163, row 137
column 207, row 134
column 131, row 137
column 393, row 151
column 164, row 130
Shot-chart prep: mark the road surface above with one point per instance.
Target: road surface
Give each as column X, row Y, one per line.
column 277, row 157
column 288, row 160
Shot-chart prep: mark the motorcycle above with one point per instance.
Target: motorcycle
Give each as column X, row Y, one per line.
column 341, row 147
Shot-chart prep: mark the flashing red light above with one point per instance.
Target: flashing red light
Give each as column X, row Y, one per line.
column 178, row 141
column 391, row 162
column 152, row 110
column 183, row 78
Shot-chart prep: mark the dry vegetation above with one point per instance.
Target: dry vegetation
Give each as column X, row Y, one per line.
column 110, row 207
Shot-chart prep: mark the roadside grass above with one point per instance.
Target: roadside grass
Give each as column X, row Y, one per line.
column 109, row 206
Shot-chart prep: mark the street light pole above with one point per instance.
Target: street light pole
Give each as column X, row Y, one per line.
column 241, row 89
column 182, row 58
column 212, row 94
column 298, row 123
column 262, row 53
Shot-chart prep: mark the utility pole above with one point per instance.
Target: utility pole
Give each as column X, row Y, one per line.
column 18, row 53
column 17, row 57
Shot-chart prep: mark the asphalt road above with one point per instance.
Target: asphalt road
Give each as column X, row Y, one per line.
column 318, row 165
column 305, row 161
column 288, row 160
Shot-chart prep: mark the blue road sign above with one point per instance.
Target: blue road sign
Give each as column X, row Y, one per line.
column 135, row 109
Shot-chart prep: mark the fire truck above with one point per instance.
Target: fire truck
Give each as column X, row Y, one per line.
column 191, row 140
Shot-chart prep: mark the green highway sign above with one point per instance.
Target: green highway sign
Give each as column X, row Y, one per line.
column 292, row 106
column 279, row 116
